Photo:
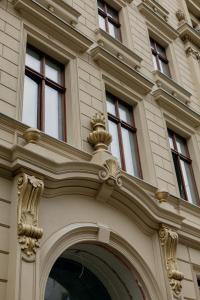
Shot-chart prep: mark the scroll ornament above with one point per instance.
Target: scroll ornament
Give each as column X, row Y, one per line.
column 29, row 191
column 99, row 138
column 169, row 241
column 111, row 173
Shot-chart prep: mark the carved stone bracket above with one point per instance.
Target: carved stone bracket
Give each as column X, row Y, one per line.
column 29, row 191
column 194, row 53
column 99, row 138
column 169, row 241
column 180, row 15
column 110, row 175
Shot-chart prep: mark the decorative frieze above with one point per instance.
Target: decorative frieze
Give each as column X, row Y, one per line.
column 30, row 189
column 169, row 241
column 99, row 138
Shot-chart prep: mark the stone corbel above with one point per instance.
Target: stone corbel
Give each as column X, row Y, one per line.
column 192, row 52
column 169, row 241
column 30, row 189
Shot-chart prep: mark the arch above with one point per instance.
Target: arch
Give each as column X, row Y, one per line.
column 88, row 232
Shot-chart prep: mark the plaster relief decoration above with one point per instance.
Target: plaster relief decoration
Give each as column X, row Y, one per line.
column 99, row 138
column 169, row 241
column 30, row 189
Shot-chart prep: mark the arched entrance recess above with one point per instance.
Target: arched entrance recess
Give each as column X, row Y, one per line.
column 110, row 267
column 89, row 271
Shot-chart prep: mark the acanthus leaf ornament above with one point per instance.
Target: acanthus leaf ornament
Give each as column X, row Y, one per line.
column 169, row 242
column 111, row 173
column 29, row 191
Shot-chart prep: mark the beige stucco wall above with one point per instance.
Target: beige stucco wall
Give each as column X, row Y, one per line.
column 85, row 82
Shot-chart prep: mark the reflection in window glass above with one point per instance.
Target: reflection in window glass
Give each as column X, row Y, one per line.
column 52, row 112
column 53, row 71
column 33, row 60
column 110, row 105
column 188, row 182
column 115, row 140
column 30, row 102
column 125, row 114
column 129, row 152
column 102, row 23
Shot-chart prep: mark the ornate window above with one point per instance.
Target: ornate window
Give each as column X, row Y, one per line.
column 183, row 167
column 124, row 141
column 160, row 60
column 109, row 19
column 43, row 102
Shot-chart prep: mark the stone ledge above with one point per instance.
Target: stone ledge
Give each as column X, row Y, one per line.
column 117, row 49
column 171, row 87
column 189, row 34
column 54, row 22
column 194, row 6
column 156, row 19
column 121, row 70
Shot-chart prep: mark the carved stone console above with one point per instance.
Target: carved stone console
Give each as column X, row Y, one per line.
column 29, row 191
column 169, row 241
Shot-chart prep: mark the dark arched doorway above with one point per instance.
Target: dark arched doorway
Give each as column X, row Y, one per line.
column 88, row 271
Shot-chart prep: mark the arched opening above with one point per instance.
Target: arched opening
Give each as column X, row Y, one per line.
column 89, row 271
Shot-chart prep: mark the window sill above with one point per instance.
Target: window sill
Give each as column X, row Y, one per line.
column 116, row 48
column 171, row 87
column 187, row 33
column 118, row 68
column 175, row 107
column 56, row 20
column 156, row 19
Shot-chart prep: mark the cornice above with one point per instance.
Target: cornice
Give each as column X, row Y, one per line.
column 189, row 34
column 171, row 87
column 121, row 70
column 118, row 4
column 194, row 7
column 172, row 105
column 156, row 18
column 59, row 23
column 117, row 49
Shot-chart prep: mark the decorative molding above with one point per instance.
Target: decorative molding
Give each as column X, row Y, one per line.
column 58, row 23
column 118, row 4
column 176, row 107
column 32, row 135
column 188, row 34
column 171, row 87
column 169, row 240
column 111, row 173
column 194, row 7
column 161, row 195
column 117, row 49
column 121, row 70
column 30, row 189
column 156, row 19
column 100, row 138
column 180, row 15
column 192, row 52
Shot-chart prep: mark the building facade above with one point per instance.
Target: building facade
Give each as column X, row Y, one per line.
column 99, row 149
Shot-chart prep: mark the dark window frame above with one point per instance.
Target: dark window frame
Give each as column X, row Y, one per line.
column 159, row 57
column 130, row 127
column 107, row 18
column 186, row 158
column 42, row 80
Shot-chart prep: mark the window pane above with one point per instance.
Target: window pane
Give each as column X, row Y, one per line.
column 30, row 102
column 53, row 71
column 110, row 105
column 171, row 140
column 115, row 140
column 125, row 114
column 53, row 113
column 164, row 68
column 113, row 30
column 129, row 152
column 181, row 145
column 188, row 180
column 102, row 23
column 112, row 13
column 161, row 50
column 178, row 176
column 32, row 59
column 154, row 62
